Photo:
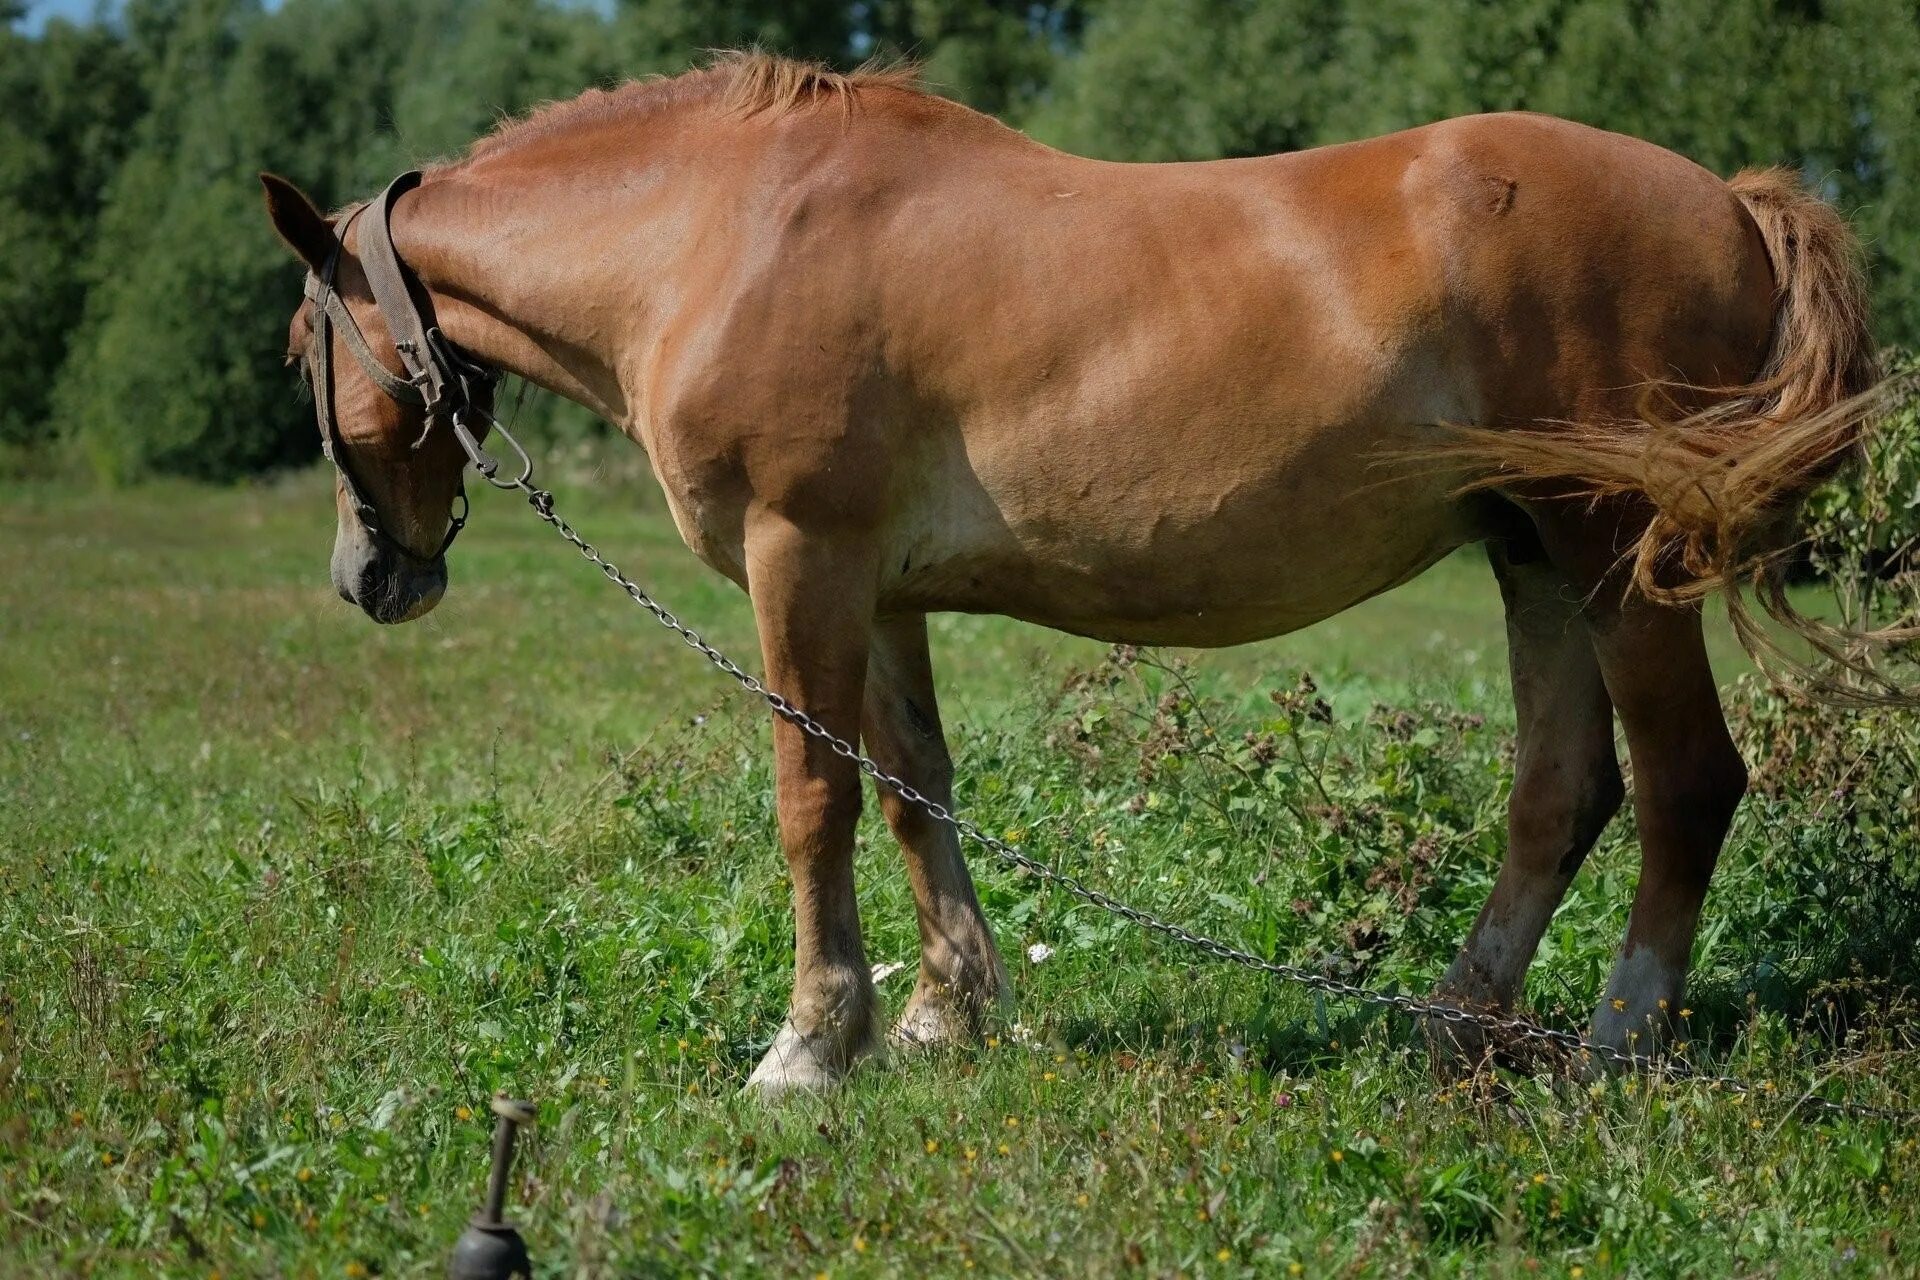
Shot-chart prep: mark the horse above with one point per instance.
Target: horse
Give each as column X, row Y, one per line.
column 888, row 356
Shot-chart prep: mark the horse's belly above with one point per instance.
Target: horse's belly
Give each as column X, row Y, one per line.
column 1209, row 580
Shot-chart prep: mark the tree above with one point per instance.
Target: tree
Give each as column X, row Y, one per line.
column 1194, row 79
column 68, row 103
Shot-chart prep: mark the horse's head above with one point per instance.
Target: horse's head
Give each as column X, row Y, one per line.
column 398, row 490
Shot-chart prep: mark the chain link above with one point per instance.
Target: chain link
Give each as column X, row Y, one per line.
column 1505, row 1027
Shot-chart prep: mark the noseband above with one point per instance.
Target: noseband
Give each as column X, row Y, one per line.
column 450, row 385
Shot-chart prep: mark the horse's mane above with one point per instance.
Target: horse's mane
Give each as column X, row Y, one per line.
column 736, row 82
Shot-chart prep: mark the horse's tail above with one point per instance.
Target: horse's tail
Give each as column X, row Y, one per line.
column 1726, row 482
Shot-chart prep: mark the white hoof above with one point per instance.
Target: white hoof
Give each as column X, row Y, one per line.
column 799, row 1063
column 1636, row 1015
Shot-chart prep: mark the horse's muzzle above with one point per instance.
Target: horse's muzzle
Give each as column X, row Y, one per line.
column 393, row 588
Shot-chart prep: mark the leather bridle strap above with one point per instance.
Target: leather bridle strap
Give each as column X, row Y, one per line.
column 438, row 369
column 333, row 309
column 439, row 377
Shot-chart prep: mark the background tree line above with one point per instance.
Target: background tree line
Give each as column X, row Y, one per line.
column 143, row 300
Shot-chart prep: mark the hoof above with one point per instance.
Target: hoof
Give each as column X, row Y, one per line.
column 798, row 1063
column 1459, row 1049
column 934, row 1024
column 1462, row 1048
column 943, row 1015
column 1637, row 1014
column 1641, row 1036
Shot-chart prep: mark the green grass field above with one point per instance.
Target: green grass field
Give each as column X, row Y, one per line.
column 284, row 897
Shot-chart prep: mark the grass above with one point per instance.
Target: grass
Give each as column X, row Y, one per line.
column 285, row 897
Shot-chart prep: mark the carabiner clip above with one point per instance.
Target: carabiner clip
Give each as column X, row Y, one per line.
column 485, row 463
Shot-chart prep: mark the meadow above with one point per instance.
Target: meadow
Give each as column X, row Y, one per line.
column 285, row 897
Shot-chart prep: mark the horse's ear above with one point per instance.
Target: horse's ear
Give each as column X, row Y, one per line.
column 304, row 228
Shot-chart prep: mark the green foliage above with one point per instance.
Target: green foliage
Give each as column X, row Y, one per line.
column 68, row 101
column 142, row 296
column 1842, row 786
column 1864, row 527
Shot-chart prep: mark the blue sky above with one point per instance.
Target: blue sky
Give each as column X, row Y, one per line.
column 38, row 11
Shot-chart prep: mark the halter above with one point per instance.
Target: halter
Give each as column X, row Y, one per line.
column 440, row 378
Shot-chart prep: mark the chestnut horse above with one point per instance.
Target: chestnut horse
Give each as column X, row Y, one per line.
column 888, row 356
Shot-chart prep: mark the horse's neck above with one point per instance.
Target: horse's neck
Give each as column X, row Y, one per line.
column 514, row 282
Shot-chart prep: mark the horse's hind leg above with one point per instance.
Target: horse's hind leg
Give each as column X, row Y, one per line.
column 813, row 600
column 961, row 976
column 1687, row 780
column 1566, row 779
column 1687, row 775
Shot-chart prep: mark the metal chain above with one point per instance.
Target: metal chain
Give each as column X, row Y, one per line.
column 1502, row 1026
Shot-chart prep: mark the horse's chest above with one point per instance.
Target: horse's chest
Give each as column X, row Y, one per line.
column 707, row 503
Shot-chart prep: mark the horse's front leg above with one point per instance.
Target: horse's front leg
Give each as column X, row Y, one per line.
column 962, row 979
column 813, row 600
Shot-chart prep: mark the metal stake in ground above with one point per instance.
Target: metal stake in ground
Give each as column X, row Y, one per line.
column 490, row 1248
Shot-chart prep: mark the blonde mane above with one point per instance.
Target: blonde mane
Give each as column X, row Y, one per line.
column 738, row 82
